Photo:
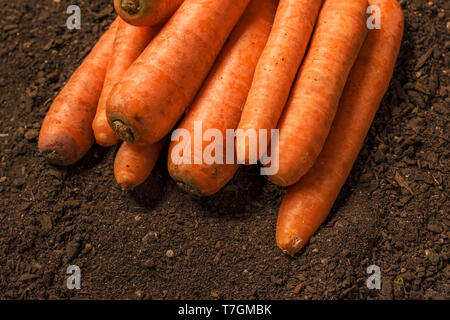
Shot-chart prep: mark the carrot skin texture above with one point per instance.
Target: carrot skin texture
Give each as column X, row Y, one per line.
column 219, row 103
column 134, row 164
column 147, row 12
column 130, row 41
column 309, row 113
column 277, row 67
column 153, row 94
column 66, row 133
column 307, row 204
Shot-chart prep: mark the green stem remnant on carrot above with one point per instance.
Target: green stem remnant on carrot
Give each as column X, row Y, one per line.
column 218, row 106
column 129, row 43
column 309, row 113
column 307, row 204
column 66, row 133
column 155, row 91
column 146, row 12
column 276, row 70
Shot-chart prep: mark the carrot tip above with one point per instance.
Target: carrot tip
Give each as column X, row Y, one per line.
column 106, row 140
column 126, row 185
column 291, row 245
column 60, row 148
column 126, row 180
column 123, row 131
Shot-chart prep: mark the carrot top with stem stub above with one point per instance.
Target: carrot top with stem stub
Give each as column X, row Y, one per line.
column 146, row 12
column 132, row 7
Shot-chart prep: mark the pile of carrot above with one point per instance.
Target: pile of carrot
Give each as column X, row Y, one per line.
column 311, row 69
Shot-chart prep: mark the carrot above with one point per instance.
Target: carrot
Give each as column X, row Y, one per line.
column 133, row 164
column 309, row 113
column 276, row 69
column 146, row 12
column 129, row 43
column 153, row 94
column 219, row 104
column 308, row 203
column 66, row 133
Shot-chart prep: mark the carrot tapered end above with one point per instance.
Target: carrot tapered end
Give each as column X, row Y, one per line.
column 106, row 140
column 289, row 243
column 126, row 180
column 60, row 149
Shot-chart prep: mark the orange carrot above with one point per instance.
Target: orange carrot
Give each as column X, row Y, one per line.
column 146, row 12
column 154, row 92
column 308, row 203
column 276, row 70
column 133, row 164
column 309, row 113
column 66, row 133
column 129, row 43
column 219, row 104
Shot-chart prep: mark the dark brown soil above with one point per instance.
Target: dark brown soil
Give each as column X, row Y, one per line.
column 393, row 211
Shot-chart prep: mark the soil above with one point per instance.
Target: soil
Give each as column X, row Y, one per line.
column 158, row 242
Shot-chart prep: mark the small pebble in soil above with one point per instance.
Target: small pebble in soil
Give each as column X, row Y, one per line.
column 170, row 253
